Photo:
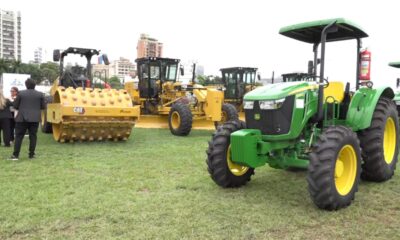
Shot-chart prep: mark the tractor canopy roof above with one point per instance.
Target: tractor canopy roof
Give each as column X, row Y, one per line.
column 395, row 64
column 82, row 51
column 310, row 32
column 157, row 59
column 234, row 69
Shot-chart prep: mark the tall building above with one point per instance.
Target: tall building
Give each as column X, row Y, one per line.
column 122, row 68
column 38, row 55
column 148, row 47
column 10, row 35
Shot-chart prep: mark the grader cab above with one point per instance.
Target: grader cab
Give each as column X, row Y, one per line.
column 76, row 111
column 237, row 82
column 163, row 99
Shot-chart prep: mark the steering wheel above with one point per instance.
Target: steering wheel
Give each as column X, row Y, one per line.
column 311, row 78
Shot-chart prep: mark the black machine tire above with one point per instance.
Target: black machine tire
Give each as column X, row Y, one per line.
column 328, row 166
column 45, row 126
column 182, row 126
column 229, row 114
column 217, row 157
column 375, row 167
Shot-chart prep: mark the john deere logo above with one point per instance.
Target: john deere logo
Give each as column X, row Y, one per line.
column 257, row 116
column 124, row 111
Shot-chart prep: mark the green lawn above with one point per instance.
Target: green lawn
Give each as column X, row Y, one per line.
column 156, row 186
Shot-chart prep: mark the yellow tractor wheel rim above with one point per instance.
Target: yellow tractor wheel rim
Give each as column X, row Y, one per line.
column 175, row 120
column 236, row 169
column 389, row 140
column 345, row 170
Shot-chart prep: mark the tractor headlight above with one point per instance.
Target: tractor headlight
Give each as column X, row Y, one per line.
column 248, row 104
column 271, row 104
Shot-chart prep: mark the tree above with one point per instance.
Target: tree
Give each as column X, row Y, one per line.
column 17, row 66
column 5, row 66
column 115, row 82
column 209, row 80
column 49, row 71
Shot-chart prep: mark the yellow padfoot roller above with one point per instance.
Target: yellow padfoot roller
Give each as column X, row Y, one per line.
column 91, row 114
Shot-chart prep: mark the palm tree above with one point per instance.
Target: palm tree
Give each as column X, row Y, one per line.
column 4, row 66
column 16, row 66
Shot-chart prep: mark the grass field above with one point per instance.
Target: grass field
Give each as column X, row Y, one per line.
column 156, row 186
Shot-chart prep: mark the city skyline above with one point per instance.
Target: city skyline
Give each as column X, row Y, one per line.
column 246, row 35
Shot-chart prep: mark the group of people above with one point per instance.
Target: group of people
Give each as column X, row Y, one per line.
column 21, row 113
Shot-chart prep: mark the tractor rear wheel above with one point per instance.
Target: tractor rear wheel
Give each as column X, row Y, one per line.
column 334, row 169
column 180, row 119
column 229, row 113
column 44, row 124
column 379, row 143
column 223, row 171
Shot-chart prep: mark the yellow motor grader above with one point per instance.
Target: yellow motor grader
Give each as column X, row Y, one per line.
column 168, row 103
column 76, row 111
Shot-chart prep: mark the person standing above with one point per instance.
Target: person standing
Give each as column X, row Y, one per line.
column 5, row 116
column 29, row 104
column 14, row 93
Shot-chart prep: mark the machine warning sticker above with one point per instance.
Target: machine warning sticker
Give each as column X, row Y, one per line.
column 79, row 110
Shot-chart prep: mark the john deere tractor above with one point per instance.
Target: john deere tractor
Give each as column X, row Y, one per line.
column 76, row 111
column 338, row 135
column 163, row 99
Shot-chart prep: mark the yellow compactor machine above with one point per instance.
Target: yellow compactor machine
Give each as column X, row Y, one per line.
column 77, row 111
column 168, row 103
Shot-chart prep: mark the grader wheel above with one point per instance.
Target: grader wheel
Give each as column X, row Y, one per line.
column 180, row 119
column 229, row 113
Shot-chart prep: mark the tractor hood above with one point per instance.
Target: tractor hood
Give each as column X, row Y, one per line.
column 279, row 90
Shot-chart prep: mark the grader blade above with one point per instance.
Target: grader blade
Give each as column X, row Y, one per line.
column 161, row 121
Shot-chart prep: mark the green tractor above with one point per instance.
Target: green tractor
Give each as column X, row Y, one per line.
column 338, row 135
column 397, row 94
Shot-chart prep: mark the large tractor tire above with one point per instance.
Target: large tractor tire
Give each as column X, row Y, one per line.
column 229, row 113
column 379, row 143
column 223, row 171
column 180, row 119
column 45, row 126
column 334, row 169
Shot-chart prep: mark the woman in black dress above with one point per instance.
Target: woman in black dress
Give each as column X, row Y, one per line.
column 5, row 116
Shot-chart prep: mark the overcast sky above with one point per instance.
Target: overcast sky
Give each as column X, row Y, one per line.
column 214, row 33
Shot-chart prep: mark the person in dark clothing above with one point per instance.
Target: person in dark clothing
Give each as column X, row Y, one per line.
column 29, row 104
column 5, row 116
column 14, row 93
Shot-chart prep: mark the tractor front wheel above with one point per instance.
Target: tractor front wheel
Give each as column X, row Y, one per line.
column 180, row 119
column 379, row 143
column 222, row 169
column 334, row 169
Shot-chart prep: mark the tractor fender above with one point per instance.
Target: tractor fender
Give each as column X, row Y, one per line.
column 362, row 106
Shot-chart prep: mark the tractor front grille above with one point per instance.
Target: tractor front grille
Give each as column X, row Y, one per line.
column 271, row 122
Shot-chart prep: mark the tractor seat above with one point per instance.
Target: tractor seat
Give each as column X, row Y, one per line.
column 334, row 92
